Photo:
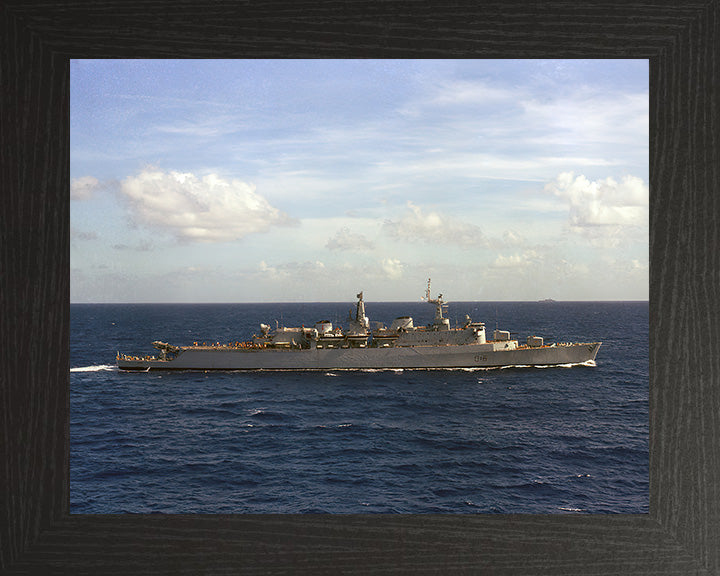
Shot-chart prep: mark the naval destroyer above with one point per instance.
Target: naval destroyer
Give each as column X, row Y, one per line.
column 402, row 345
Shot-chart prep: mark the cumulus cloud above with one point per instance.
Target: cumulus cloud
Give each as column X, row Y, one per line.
column 344, row 239
column 288, row 269
column 207, row 209
column 636, row 265
column 517, row 260
column 83, row 188
column 433, row 227
column 512, row 238
column 392, row 268
column 603, row 207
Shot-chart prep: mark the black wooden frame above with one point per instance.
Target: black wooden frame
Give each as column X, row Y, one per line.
column 681, row 533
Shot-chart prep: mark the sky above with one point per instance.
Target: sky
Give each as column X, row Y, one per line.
column 313, row 180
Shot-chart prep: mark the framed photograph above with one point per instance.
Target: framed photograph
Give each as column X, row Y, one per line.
column 289, row 186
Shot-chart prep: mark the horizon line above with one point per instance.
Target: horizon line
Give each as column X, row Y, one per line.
column 542, row 301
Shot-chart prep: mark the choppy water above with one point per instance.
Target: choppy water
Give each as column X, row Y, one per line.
column 538, row 440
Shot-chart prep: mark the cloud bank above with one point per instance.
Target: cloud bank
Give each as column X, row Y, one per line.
column 392, row 268
column 603, row 207
column 83, row 188
column 518, row 260
column 207, row 209
column 344, row 239
column 304, row 270
column 432, row 227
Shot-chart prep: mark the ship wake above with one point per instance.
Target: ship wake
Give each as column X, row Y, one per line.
column 98, row 368
column 570, row 365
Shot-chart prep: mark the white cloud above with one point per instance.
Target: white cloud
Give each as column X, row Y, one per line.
column 636, row 265
column 207, row 209
column 512, row 238
column 344, row 239
column 533, row 130
column 433, row 227
column 603, row 207
column 392, row 268
column 83, row 188
column 584, row 116
column 527, row 258
column 302, row 270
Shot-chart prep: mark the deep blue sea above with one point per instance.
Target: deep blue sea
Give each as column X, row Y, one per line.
column 511, row 440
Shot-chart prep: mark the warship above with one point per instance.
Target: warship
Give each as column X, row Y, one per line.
column 402, row 345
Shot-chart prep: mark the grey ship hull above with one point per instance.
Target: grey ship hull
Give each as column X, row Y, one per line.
column 490, row 354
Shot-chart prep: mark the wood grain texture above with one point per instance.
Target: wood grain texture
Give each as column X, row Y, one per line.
column 680, row 535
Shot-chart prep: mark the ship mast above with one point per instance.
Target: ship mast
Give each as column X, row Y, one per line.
column 361, row 323
column 439, row 305
column 360, row 312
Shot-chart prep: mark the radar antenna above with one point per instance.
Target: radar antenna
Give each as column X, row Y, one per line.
column 439, row 304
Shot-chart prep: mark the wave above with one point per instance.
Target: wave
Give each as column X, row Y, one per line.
column 98, row 368
column 540, row 366
column 371, row 370
column 586, row 363
column 401, row 370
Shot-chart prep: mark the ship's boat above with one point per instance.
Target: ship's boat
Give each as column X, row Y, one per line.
column 402, row 345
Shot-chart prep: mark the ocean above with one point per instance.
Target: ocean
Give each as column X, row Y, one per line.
column 555, row 440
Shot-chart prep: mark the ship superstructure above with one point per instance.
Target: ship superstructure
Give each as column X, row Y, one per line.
column 401, row 345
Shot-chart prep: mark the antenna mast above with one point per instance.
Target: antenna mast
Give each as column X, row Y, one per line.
column 439, row 304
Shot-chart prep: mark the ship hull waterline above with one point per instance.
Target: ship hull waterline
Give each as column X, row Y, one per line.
column 410, row 357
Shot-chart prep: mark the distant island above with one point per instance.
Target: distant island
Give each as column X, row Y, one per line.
column 547, row 300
